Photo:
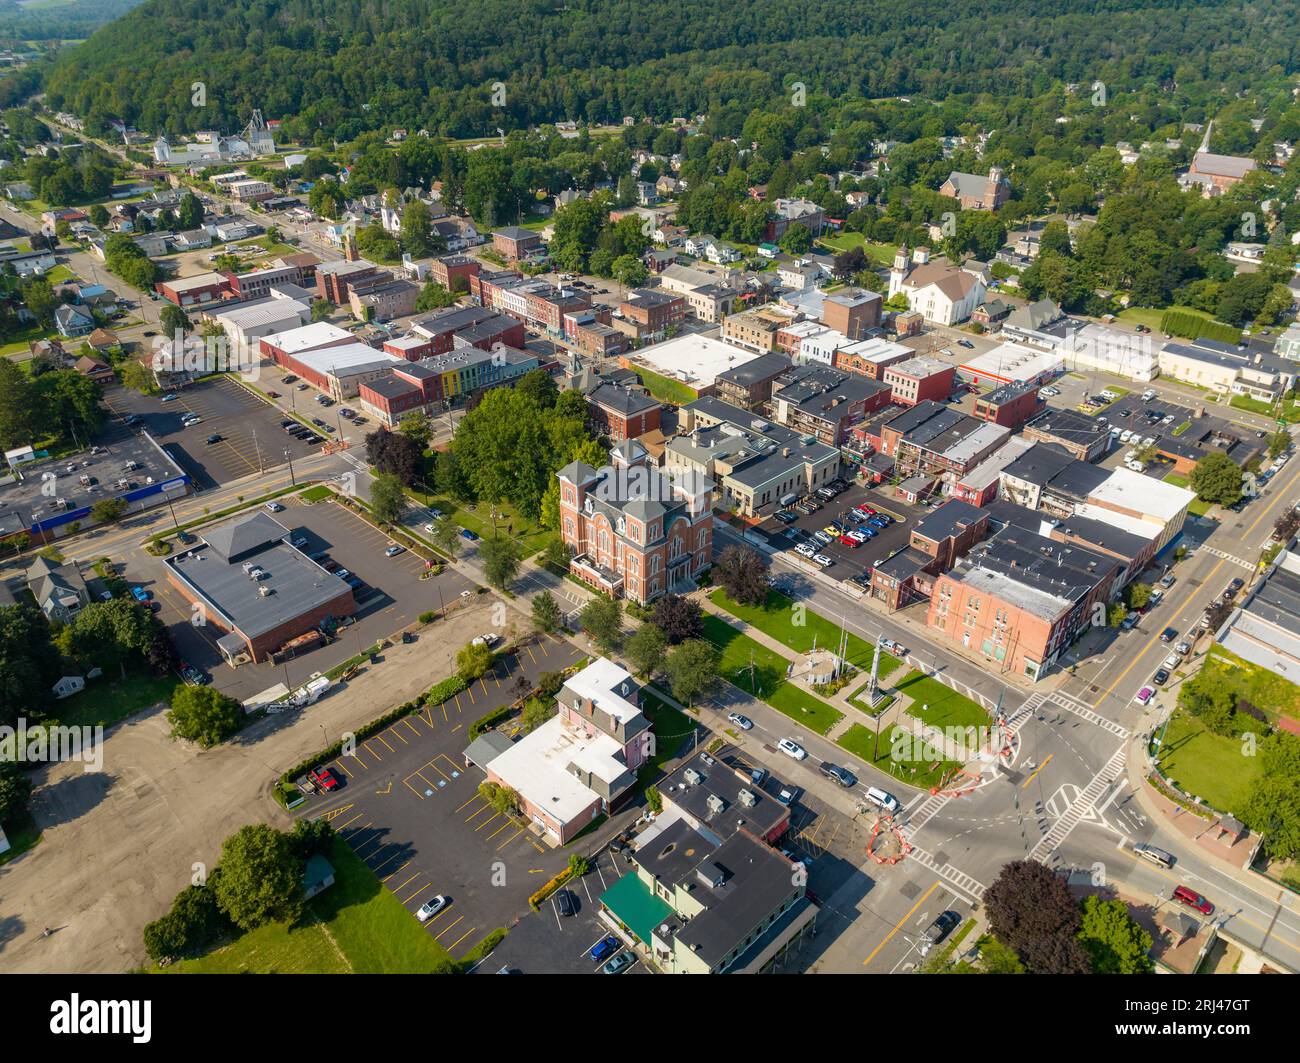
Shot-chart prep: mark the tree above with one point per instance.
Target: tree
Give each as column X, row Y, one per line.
column 997, row 958
column 678, row 617
column 796, row 240
column 742, row 573
column 417, row 236
column 1279, row 442
column 321, row 309
column 261, row 878
column 173, row 320
column 98, row 215
column 646, row 650
column 29, row 662
column 1113, row 940
column 546, row 612
column 1139, row 594
column 446, row 536
column 15, row 791
column 417, row 428
column 204, row 715
column 473, row 660
column 1217, row 478
column 18, row 414
column 395, row 453
column 1211, row 699
column 501, row 559
column 107, row 510
column 602, row 619
column 190, row 214
column 109, row 633
column 1031, row 910
column 540, row 386
column 387, row 499
column 136, row 376
column 311, row 837
column 536, row 712
column 193, row 921
column 433, row 296
column 692, row 670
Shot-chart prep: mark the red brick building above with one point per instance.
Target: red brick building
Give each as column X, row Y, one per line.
column 653, row 311
column 919, row 380
column 454, row 272
column 1010, row 405
column 514, row 243
column 634, row 533
column 852, row 312
column 621, row 413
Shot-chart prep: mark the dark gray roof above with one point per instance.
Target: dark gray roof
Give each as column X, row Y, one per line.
column 235, row 538
column 772, row 364
column 1069, row 425
column 905, row 564
column 1039, row 464
column 626, row 401
column 949, row 519
column 717, row 779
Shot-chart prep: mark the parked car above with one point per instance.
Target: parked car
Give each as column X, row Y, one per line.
column 564, row 902
column 216, row 437
column 967, row 344
column 792, row 748
column 740, row 720
column 604, row 948
column 394, row 550
column 431, row 908
column 169, row 397
column 1186, row 895
column 140, row 594
column 1168, row 580
column 942, row 926
column 274, row 507
column 823, row 560
column 1169, row 634
column 465, row 533
column 896, row 648
column 842, row 776
column 324, row 778
column 1161, row 677
column 1144, row 696
column 804, row 550
column 619, row 963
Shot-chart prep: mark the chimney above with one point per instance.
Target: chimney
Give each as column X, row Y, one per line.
column 921, row 256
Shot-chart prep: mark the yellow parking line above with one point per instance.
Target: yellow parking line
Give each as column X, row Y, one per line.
column 477, row 812
column 397, row 855
column 371, row 751
column 458, row 708
column 409, row 724
column 381, row 739
column 470, row 692
column 461, row 938
column 449, row 926
column 470, row 801
column 486, row 822
column 440, row 915
column 510, row 839
column 407, row 783
column 397, row 871
column 504, row 826
column 345, row 826
column 393, row 731
column 898, row 926
column 357, row 757
column 530, row 654
column 1036, row 771
column 445, row 717
column 364, row 844
column 407, row 900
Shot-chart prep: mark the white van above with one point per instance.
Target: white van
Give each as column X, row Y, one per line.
column 884, row 801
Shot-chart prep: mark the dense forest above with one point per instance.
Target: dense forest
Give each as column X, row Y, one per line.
column 68, row 20
column 339, row 67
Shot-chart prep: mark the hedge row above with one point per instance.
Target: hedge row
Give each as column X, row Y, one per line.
column 435, row 695
column 486, row 723
column 535, row 901
column 1193, row 327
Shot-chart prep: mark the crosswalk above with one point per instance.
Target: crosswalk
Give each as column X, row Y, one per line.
column 965, row 884
column 1229, row 557
column 1082, row 806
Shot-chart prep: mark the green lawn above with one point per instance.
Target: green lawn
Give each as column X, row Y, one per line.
column 1198, row 506
column 766, row 680
column 1283, row 411
column 1262, row 688
column 1151, row 316
column 107, row 700
column 671, row 726
column 939, row 705
column 59, row 274
column 777, row 618
column 20, row 343
column 1206, row 765
column 861, row 741
column 354, row 926
column 879, row 254
column 530, row 536
column 666, row 389
column 316, row 494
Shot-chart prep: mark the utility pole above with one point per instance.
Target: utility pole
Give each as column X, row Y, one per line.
column 289, row 459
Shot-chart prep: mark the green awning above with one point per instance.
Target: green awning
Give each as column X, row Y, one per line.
column 633, row 905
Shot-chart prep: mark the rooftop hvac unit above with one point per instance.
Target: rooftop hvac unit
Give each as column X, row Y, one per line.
column 265, row 592
column 693, row 777
column 747, row 798
column 716, row 804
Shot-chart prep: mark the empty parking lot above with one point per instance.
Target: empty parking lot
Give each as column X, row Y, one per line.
column 411, row 810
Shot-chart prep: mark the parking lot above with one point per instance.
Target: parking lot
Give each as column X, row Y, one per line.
column 390, row 596
column 251, row 439
column 411, row 810
column 849, row 561
column 546, row 941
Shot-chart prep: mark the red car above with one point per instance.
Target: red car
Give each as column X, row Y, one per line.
column 865, row 509
column 1189, row 897
column 325, row 779
column 852, row 543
